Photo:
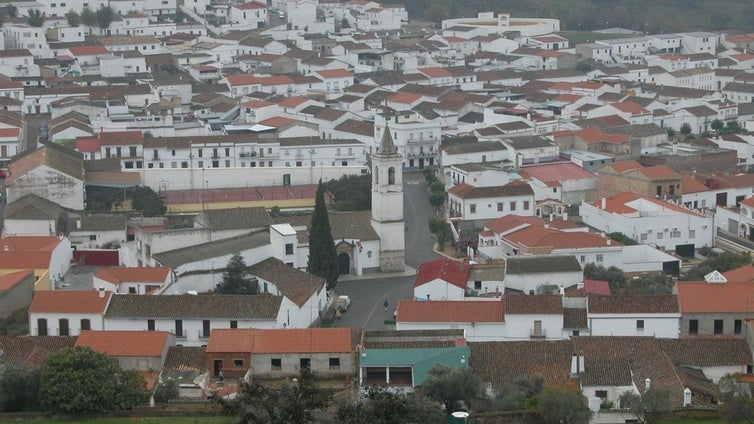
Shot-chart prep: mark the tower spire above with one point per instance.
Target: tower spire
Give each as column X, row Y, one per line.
column 387, row 147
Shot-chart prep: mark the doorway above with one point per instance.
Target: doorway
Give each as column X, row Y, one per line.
column 344, row 263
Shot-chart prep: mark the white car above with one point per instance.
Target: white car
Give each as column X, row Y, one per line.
column 342, row 303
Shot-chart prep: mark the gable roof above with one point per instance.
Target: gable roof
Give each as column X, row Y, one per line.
column 32, row 350
column 242, row 307
column 453, row 272
column 70, row 302
column 707, row 352
column 288, row 340
column 237, row 218
column 741, row 274
column 213, row 249
column 513, row 188
column 534, row 304
column 701, row 297
column 143, row 274
column 32, row 207
column 634, row 304
column 296, row 285
column 57, row 158
column 557, row 172
column 451, row 311
column 125, row 343
column 8, row 281
column 499, row 363
column 542, row 263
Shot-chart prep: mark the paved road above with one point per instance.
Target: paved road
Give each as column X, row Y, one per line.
column 368, row 295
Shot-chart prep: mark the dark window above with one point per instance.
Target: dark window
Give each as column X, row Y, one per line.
column 477, row 285
column 737, row 326
column 718, row 327
column 289, row 248
column 179, row 328
column 86, row 324
column 238, row 362
column 659, row 190
column 334, row 363
column 41, row 327
column 305, row 363
column 391, row 175
column 639, row 325
column 205, row 328
column 234, row 324
column 693, row 327
column 63, row 327
column 602, row 394
column 276, row 364
column 132, row 290
column 575, row 333
column 92, row 237
column 150, row 325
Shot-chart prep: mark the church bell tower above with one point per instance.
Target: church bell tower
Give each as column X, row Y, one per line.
column 387, row 203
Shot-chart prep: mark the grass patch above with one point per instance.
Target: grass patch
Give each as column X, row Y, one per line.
column 17, row 324
column 690, row 421
column 129, row 420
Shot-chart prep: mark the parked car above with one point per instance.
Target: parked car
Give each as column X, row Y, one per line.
column 342, row 303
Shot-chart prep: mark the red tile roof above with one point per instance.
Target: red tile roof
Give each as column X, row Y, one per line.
column 88, row 145
column 119, row 275
column 275, row 80
column 125, row 343
column 630, row 107
column 596, row 135
column 334, row 73
column 741, row 274
column 436, row 72
column 8, row 281
column 235, row 80
column 454, row 272
column 293, row 101
column 277, row 121
column 29, row 243
column 69, row 302
column 122, row 138
column 619, row 204
column 451, row 311
column 657, row 171
column 691, row 185
column 10, row 132
column 701, row 296
column 405, row 97
column 558, row 172
column 597, row 287
column 88, row 50
column 293, row 340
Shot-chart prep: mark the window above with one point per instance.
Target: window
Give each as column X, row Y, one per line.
column 150, row 325
column 675, row 234
column 238, row 362
column 472, row 208
column 737, row 325
column 276, row 364
column 334, row 363
column 513, row 206
column 87, row 325
column 554, row 189
column 526, row 205
column 179, row 328
column 600, row 258
column 289, row 248
column 205, row 328
column 660, row 236
column 305, row 363
column 692, row 234
column 639, row 325
column 132, row 290
column 499, row 206
column 693, row 327
column 233, row 324
column 63, row 327
column 582, row 259
column 602, row 394
column 659, row 191
column 92, row 237
column 718, row 327
column 477, row 285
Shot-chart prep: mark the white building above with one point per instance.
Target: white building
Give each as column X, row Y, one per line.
column 468, row 202
column 634, row 315
column 415, row 137
column 66, row 313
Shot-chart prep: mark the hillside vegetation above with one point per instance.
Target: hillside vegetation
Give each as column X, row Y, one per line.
column 585, row 15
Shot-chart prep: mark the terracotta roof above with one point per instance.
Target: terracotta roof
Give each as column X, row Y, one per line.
column 558, row 172
column 535, row 236
column 29, row 243
column 621, row 204
column 8, row 281
column 700, row 296
column 499, row 363
column 10, row 132
column 451, row 311
column 741, row 274
column 290, row 340
column 293, row 101
column 596, row 135
column 55, row 157
column 32, row 350
column 119, row 275
column 707, row 352
column 277, row 121
column 88, row 50
column 691, row 185
column 513, row 188
column 70, row 302
column 436, row 72
column 296, row 285
column 88, row 145
column 597, row 287
column 334, row 73
column 405, row 98
column 185, row 358
column 634, row 304
column 125, row 343
column 533, row 304
column 454, row 272
column 235, row 80
column 275, row 80
column 575, row 318
column 630, row 107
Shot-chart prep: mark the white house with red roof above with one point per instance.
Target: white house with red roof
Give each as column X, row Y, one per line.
column 563, row 181
column 442, row 279
column 472, row 203
column 630, row 111
column 335, row 80
column 134, row 350
column 651, row 221
column 249, row 15
column 132, row 280
column 67, row 313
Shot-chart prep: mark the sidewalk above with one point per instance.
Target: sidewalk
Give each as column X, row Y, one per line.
column 375, row 275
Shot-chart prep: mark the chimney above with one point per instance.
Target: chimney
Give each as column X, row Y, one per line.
column 647, row 384
column 78, row 224
column 552, row 216
column 609, row 242
column 574, row 365
column 581, row 362
column 461, row 266
column 604, row 203
column 101, row 292
column 565, row 216
column 687, row 397
column 675, row 148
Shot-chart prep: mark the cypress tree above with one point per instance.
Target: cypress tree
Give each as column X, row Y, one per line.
column 322, row 254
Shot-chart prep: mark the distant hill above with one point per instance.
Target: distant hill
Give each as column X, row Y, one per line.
column 653, row 16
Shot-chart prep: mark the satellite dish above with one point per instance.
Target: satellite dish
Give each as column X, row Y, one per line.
column 460, row 414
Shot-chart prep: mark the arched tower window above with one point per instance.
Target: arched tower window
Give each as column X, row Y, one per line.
column 391, row 175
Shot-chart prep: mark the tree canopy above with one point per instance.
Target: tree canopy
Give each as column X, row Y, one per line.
column 351, row 192
column 19, row 388
column 723, row 262
column 236, row 278
column 322, row 253
column 451, row 386
column 382, row 406
column 563, row 407
column 88, row 18
column 657, row 283
column 104, row 17
column 293, row 402
column 72, row 17
column 82, row 380
column 146, row 200
column 649, row 406
column 36, row 18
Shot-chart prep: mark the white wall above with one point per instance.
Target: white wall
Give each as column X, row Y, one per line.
column 439, row 289
column 665, row 326
column 60, row 260
column 528, row 282
column 473, row 332
column 520, row 326
column 74, row 322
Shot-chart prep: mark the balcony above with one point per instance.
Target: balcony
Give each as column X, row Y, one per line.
column 247, row 154
column 181, row 335
column 538, row 333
